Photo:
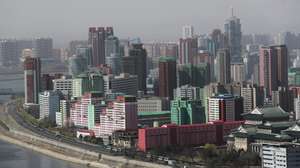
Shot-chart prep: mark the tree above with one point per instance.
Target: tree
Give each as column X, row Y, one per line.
column 93, row 140
column 80, row 137
column 87, row 138
column 209, row 150
column 99, row 141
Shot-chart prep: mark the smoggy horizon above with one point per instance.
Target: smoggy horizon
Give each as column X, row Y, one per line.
column 153, row 20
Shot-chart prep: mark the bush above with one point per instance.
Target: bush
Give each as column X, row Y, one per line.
column 46, row 123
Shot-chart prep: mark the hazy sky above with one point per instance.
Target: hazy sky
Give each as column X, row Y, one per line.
column 66, row 20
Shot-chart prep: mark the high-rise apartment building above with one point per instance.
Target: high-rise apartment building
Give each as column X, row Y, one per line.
column 85, row 52
column 87, row 82
column 124, row 83
column 112, row 54
column 96, row 39
column 248, row 92
column 234, row 35
column 188, row 49
column 273, row 68
column 32, row 75
column 77, row 65
column 49, row 104
column 43, row 48
column 219, row 40
column 187, row 31
column 184, row 111
column 156, row 50
column 223, row 66
column 189, row 92
column 64, row 85
column 167, row 76
column 237, row 72
column 120, row 114
column 194, row 75
column 136, row 64
column 73, row 45
column 224, row 107
column 80, row 109
column 297, row 108
column 8, row 52
column 63, row 115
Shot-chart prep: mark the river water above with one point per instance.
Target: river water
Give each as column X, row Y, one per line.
column 12, row 156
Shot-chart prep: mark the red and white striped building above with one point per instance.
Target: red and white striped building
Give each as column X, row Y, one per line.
column 119, row 115
column 79, row 109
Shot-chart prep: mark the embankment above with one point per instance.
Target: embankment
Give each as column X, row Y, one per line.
column 71, row 153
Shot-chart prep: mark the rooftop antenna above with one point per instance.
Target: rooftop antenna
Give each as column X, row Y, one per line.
column 231, row 11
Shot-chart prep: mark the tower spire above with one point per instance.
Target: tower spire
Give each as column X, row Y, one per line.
column 231, row 11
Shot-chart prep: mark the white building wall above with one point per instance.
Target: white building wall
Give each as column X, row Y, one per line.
column 149, row 105
column 297, row 108
column 64, row 85
column 49, row 104
column 274, row 157
column 213, row 109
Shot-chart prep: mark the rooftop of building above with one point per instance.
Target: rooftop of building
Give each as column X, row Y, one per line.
column 223, row 96
column 125, row 76
column 294, row 70
column 209, row 124
column 291, row 146
column 266, row 113
column 150, row 98
column 153, row 113
column 201, row 64
column 167, row 59
column 277, row 125
column 253, row 134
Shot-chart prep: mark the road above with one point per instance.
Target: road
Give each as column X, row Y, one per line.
column 11, row 110
column 101, row 149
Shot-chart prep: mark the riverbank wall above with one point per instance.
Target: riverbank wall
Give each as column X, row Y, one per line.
column 71, row 153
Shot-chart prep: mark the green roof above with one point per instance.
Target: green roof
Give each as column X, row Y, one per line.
column 263, row 136
column 283, row 124
column 154, row 113
column 267, row 113
column 167, row 59
column 274, row 137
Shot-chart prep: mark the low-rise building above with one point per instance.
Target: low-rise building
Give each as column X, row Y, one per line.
column 184, row 135
column 124, row 139
column 64, row 85
column 264, row 125
column 149, row 105
column 154, row 119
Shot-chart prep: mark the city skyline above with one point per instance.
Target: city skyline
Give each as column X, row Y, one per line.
column 69, row 21
column 152, row 84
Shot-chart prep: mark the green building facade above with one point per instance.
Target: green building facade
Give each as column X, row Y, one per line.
column 294, row 76
column 91, row 116
column 88, row 82
column 185, row 111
